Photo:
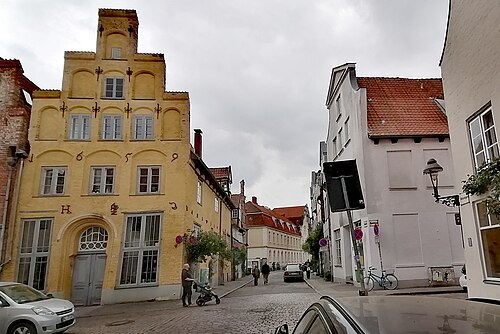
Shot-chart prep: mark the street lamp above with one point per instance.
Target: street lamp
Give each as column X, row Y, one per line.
column 433, row 169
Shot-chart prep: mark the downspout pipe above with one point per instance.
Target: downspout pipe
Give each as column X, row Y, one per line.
column 15, row 200
column 4, row 215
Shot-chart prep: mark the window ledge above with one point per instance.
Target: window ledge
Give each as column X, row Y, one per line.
column 121, row 287
column 492, row 281
column 148, row 194
column 98, row 195
column 402, row 188
column 110, row 140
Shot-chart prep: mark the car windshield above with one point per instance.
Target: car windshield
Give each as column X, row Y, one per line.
column 293, row 267
column 21, row 293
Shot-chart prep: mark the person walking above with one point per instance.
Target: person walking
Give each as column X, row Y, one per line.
column 256, row 275
column 187, row 281
column 265, row 272
column 308, row 272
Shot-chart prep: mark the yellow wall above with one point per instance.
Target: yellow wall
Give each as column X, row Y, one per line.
column 169, row 149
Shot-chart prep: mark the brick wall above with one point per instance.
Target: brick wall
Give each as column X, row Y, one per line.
column 14, row 120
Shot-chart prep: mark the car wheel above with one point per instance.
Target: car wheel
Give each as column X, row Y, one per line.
column 22, row 328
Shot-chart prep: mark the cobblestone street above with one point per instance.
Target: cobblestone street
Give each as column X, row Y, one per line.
column 248, row 309
column 251, row 309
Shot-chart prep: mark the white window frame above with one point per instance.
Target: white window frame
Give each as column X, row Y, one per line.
column 199, row 192
column 235, row 213
column 346, row 131
column 488, row 224
column 111, row 88
column 116, row 53
column 34, row 252
column 338, row 247
column 112, row 127
column 338, row 106
column 216, row 204
column 150, row 180
column 101, row 182
column 143, row 127
column 487, row 150
column 334, row 146
column 340, row 140
column 53, row 181
column 141, row 239
column 79, row 127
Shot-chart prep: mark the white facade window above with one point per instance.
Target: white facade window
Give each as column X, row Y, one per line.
column 483, row 137
column 489, row 225
column 346, row 131
column 143, row 127
column 141, row 247
column 216, row 204
column 116, row 53
column 340, row 140
column 113, row 88
column 53, row 180
column 334, row 147
column 79, row 128
column 338, row 106
column 196, row 230
column 103, row 179
column 148, row 180
column 338, row 249
column 199, row 188
column 112, row 127
column 34, row 252
column 235, row 214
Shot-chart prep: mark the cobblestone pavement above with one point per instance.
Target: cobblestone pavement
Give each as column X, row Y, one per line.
column 251, row 309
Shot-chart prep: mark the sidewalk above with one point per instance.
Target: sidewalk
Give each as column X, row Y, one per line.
column 114, row 309
column 323, row 287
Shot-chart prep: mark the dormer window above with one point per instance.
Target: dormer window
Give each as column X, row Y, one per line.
column 116, row 53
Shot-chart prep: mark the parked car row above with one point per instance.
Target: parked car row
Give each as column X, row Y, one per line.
column 24, row 310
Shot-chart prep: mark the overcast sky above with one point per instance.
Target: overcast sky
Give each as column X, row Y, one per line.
column 257, row 71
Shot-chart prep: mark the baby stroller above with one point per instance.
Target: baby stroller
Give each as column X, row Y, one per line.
column 206, row 294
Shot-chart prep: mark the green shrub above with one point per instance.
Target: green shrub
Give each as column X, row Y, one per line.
column 328, row 276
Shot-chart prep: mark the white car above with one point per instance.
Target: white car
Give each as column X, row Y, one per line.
column 24, row 310
column 463, row 279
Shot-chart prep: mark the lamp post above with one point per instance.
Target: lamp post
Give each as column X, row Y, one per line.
column 433, row 169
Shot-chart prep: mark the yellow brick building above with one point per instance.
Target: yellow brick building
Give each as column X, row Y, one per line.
column 111, row 179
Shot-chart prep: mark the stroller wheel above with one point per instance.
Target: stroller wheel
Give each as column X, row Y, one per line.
column 217, row 300
column 200, row 302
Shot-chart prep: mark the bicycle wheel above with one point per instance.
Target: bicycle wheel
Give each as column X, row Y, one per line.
column 390, row 282
column 369, row 283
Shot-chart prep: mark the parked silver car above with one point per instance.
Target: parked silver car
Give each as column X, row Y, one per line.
column 24, row 310
column 396, row 315
column 293, row 272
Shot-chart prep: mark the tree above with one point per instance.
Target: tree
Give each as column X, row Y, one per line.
column 486, row 180
column 208, row 244
column 311, row 245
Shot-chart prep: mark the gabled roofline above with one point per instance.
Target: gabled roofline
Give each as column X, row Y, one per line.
column 347, row 68
column 446, row 34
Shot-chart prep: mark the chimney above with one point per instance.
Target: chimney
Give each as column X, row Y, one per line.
column 254, row 200
column 197, row 142
column 242, row 187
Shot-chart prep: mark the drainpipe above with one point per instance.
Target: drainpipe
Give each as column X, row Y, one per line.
column 15, row 199
column 4, row 214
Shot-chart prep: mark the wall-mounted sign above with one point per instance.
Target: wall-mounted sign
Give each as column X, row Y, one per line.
column 323, row 242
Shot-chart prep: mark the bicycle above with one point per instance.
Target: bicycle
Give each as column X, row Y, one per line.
column 386, row 281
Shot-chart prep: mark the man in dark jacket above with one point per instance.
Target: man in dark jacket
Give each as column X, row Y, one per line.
column 187, row 281
column 265, row 272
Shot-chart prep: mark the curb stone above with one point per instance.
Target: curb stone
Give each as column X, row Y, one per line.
column 234, row 289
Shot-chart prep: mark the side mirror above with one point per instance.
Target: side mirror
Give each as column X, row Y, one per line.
column 49, row 295
column 283, row 329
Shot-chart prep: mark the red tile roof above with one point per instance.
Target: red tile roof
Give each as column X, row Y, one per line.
column 294, row 213
column 399, row 107
column 221, row 172
column 258, row 215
